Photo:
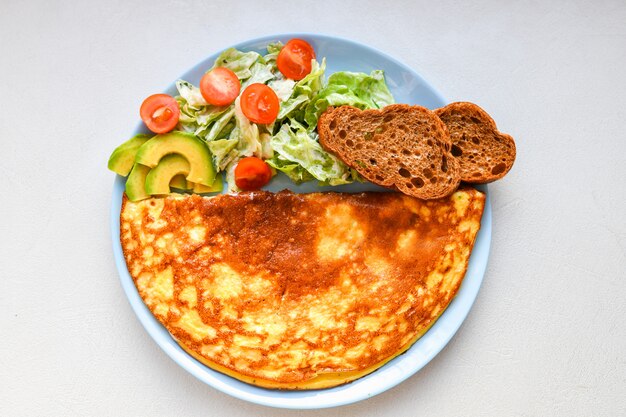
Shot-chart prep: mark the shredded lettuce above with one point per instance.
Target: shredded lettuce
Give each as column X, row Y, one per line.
column 222, row 152
column 293, row 170
column 283, row 88
column 212, row 131
column 293, row 143
column 190, row 94
column 259, row 73
column 238, row 62
column 303, row 91
column 249, row 138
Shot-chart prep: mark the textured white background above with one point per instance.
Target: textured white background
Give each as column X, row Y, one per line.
column 547, row 333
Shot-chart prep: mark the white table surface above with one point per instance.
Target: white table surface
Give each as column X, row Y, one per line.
column 546, row 336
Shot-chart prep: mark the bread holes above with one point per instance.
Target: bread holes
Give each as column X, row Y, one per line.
column 427, row 173
column 349, row 142
column 406, row 152
column 379, row 177
column 342, row 134
column 498, row 169
column 475, row 140
column 388, row 118
column 373, row 162
column 404, row 172
column 433, row 180
column 417, row 182
column 429, row 142
column 475, row 120
column 456, row 151
column 332, row 125
column 444, row 163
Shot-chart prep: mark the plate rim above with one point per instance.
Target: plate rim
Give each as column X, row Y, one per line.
column 444, row 328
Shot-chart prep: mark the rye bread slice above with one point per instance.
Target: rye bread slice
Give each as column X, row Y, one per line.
column 484, row 153
column 400, row 146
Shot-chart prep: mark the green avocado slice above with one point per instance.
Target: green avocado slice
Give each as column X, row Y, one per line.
column 216, row 187
column 159, row 178
column 180, row 182
column 135, row 184
column 193, row 149
column 123, row 157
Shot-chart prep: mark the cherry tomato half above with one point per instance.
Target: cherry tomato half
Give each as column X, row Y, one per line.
column 252, row 173
column 259, row 103
column 160, row 113
column 294, row 60
column 220, row 86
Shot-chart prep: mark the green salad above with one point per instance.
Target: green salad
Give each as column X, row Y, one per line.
column 290, row 144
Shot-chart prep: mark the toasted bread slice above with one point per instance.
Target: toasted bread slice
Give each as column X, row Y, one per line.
column 484, row 153
column 400, row 146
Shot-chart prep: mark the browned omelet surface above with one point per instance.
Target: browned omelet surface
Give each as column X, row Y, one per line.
column 299, row 291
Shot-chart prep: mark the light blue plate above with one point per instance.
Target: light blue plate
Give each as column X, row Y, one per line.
column 407, row 87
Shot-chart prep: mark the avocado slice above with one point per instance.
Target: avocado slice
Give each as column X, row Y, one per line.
column 135, row 184
column 159, row 178
column 123, row 157
column 180, row 182
column 193, row 149
column 217, row 187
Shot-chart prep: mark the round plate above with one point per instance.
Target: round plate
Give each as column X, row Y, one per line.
column 407, row 87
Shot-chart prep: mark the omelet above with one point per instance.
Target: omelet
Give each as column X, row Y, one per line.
column 299, row 291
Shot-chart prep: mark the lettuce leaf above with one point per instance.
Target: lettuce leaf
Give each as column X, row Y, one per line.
column 303, row 91
column 238, row 62
column 248, row 134
column 294, row 144
column 349, row 88
column 222, row 151
column 259, row 73
column 293, row 170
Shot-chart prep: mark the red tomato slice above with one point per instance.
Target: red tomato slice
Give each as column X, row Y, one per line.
column 252, row 173
column 259, row 103
column 220, row 86
column 294, row 60
column 160, row 113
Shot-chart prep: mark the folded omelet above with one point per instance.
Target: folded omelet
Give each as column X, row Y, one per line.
column 299, row 291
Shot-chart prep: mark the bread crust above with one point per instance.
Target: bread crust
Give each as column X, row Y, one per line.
column 484, row 153
column 401, row 147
